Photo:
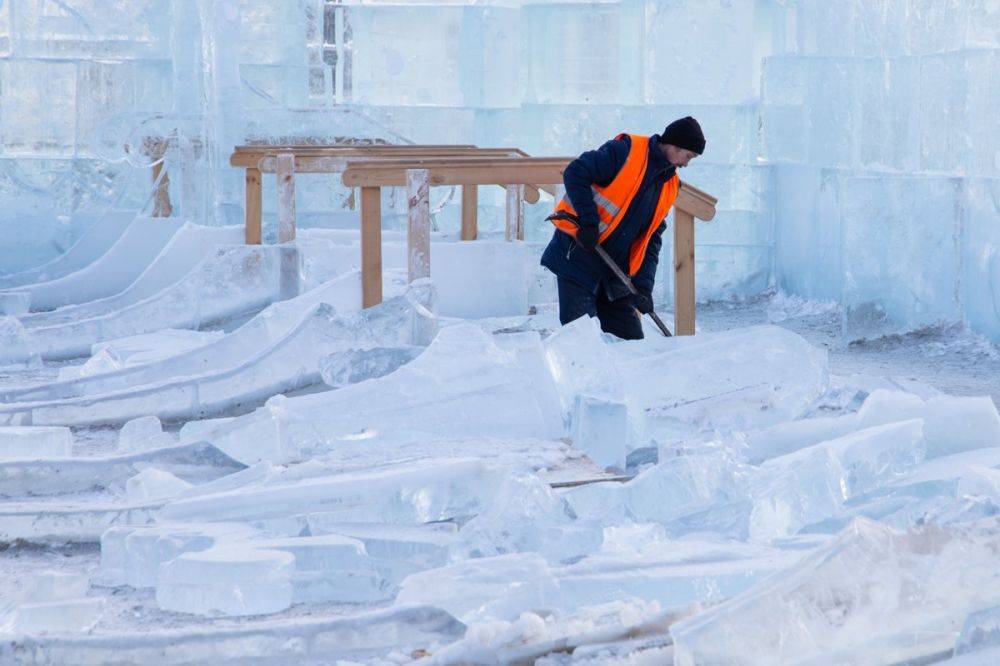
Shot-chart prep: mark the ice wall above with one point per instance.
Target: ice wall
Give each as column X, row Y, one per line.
column 881, row 123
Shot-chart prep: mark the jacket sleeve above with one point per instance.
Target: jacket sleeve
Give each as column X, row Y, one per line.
column 594, row 167
column 643, row 280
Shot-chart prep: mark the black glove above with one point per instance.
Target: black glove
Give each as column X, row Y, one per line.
column 586, row 237
column 643, row 302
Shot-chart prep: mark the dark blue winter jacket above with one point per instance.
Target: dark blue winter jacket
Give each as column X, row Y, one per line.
column 599, row 167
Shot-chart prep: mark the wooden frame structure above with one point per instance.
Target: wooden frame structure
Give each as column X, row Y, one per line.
column 418, row 168
column 285, row 160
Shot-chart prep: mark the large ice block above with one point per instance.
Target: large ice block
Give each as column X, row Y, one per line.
column 64, row 616
column 332, row 568
column 600, row 429
column 154, row 484
column 16, row 345
column 35, row 442
column 231, row 580
column 406, row 493
column 488, row 588
column 481, row 279
column 872, row 595
column 143, row 434
column 463, row 385
column 527, row 516
column 744, row 378
column 579, row 361
column 809, row 485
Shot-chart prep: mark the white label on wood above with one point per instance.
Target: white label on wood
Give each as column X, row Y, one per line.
column 514, row 229
column 418, row 254
column 286, row 197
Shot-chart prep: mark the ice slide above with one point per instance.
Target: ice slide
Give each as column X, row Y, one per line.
column 280, row 350
column 110, row 273
column 233, row 280
column 92, row 244
column 185, row 249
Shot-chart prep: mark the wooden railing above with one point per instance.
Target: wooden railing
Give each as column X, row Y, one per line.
column 420, row 167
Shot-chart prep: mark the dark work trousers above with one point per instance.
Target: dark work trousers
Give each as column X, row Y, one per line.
column 618, row 317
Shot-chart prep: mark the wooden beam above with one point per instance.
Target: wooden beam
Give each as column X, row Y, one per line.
column 696, row 202
column 470, row 212
column 371, row 246
column 418, row 235
column 245, row 158
column 252, row 211
column 286, row 197
column 684, row 290
column 514, row 227
column 459, row 174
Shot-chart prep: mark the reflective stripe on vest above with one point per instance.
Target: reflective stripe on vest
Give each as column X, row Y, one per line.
column 613, row 201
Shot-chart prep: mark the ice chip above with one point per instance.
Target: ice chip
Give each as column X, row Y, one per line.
column 980, row 631
column 143, row 434
column 15, row 342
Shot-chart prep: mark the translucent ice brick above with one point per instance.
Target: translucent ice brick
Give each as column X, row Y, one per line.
column 35, row 442
column 600, row 429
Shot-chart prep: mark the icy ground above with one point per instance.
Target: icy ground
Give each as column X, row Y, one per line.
column 804, row 508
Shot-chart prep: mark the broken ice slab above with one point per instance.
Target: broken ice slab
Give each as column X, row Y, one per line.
column 579, row 361
column 482, row 279
column 35, row 442
column 109, row 357
column 600, row 429
column 463, row 385
column 78, row 520
column 132, row 554
column 741, row 379
column 143, row 434
column 364, row 637
column 237, row 380
column 809, row 485
column 154, row 484
column 16, row 343
column 527, row 516
column 197, row 462
column 790, row 436
column 489, row 588
column 227, row 580
column 357, row 365
column 396, row 550
column 64, row 616
column 871, row 596
column 231, row 281
column 980, row 631
column 14, row 303
column 951, row 424
column 670, row 491
column 332, row 568
column 418, row 492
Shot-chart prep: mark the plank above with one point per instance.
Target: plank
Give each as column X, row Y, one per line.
column 371, row 246
column 514, row 226
column 459, row 174
column 684, row 291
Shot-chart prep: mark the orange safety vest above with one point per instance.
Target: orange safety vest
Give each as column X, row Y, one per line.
column 613, row 201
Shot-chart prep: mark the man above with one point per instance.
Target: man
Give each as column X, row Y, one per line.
column 618, row 196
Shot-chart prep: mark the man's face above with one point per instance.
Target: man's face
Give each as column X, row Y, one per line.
column 679, row 157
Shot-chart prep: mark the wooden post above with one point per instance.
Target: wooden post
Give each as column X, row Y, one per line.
column 252, row 213
column 286, row 197
column 418, row 239
column 155, row 148
column 371, row 246
column 470, row 210
column 514, row 228
column 683, row 273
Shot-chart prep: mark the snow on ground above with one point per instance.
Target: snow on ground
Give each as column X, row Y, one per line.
column 401, row 486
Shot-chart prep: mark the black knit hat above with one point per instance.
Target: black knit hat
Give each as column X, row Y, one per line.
column 685, row 133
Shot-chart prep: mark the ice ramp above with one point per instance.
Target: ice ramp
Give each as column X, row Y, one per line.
column 231, row 281
column 253, row 374
column 92, row 244
column 185, row 249
column 110, row 273
column 274, row 322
